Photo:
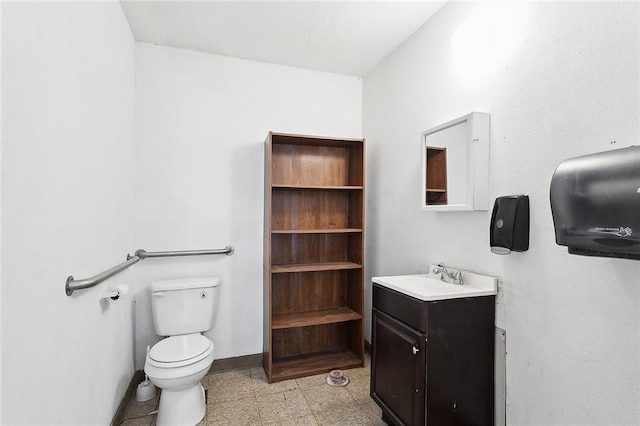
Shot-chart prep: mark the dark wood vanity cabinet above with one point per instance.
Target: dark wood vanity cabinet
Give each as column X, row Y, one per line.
column 433, row 362
column 399, row 359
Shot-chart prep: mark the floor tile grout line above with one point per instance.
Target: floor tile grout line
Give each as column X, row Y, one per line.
column 255, row 397
column 256, row 380
column 315, row 419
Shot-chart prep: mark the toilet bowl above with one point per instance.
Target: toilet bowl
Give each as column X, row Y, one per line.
column 176, row 365
column 182, row 309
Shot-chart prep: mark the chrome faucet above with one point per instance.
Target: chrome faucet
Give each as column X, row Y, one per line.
column 446, row 276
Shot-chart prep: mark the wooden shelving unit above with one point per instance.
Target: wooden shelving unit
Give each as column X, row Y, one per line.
column 313, row 255
column 436, row 185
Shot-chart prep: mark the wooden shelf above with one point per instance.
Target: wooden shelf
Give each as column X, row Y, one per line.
column 314, row 363
column 310, row 267
column 313, row 255
column 317, row 231
column 318, row 187
column 305, row 319
column 436, row 190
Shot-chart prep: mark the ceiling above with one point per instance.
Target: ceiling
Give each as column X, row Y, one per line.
column 344, row 37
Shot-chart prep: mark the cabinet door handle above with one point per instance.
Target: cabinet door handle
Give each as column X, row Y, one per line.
column 415, row 349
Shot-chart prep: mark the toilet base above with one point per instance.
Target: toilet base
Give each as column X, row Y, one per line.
column 186, row 407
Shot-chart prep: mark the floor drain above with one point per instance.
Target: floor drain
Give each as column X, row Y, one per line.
column 336, row 378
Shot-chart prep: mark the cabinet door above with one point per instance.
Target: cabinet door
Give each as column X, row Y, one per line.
column 398, row 369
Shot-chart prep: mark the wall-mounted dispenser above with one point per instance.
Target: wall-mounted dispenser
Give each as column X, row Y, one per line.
column 595, row 202
column 509, row 230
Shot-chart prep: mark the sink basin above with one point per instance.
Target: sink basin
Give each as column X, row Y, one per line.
column 430, row 287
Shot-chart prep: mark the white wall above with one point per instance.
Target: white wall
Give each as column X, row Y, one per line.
column 201, row 123
column 0, row 218
column 68, row 207
column 560, row 80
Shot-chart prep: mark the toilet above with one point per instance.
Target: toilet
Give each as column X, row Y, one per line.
column 181, row 309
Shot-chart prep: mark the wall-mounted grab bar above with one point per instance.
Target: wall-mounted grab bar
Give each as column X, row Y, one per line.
column 142, row 254
column 72, row 285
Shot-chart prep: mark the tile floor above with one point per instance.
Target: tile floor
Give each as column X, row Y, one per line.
column 244, row 397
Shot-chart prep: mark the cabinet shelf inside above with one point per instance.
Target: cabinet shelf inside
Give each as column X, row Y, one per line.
column 314, row 363
column 305, row 319
column 436, row 173
column 310, row 267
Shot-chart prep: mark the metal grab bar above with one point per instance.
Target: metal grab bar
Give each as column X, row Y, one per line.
column 72, row 285
column 142, row 254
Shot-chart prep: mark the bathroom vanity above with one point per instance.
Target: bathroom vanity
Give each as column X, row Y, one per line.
column 433, row 350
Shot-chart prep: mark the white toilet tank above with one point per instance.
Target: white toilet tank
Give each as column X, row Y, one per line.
column 184, row 306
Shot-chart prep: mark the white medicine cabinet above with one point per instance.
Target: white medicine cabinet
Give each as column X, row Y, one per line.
column 455, row 165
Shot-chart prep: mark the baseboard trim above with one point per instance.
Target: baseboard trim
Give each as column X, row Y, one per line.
column 234, row 363
column 138, row 377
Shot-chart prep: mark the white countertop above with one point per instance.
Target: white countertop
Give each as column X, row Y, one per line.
column 429, row 286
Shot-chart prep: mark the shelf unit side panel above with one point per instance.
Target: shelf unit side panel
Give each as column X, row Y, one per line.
column 355, row 249
column 267, row 293
column 266, row 324
column 356, row 293
column 356, row 209
column 355, row 333
column 354, row 289
column 356, row 164
column 267, row 203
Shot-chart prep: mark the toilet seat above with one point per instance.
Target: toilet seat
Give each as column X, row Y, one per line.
column 179, row 351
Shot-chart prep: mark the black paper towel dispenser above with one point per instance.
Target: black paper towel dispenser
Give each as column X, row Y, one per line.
column 595, row 203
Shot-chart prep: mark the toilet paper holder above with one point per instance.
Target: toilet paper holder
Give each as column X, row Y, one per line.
column 115, row 293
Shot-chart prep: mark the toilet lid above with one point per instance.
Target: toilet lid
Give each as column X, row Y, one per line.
column 180, row 348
